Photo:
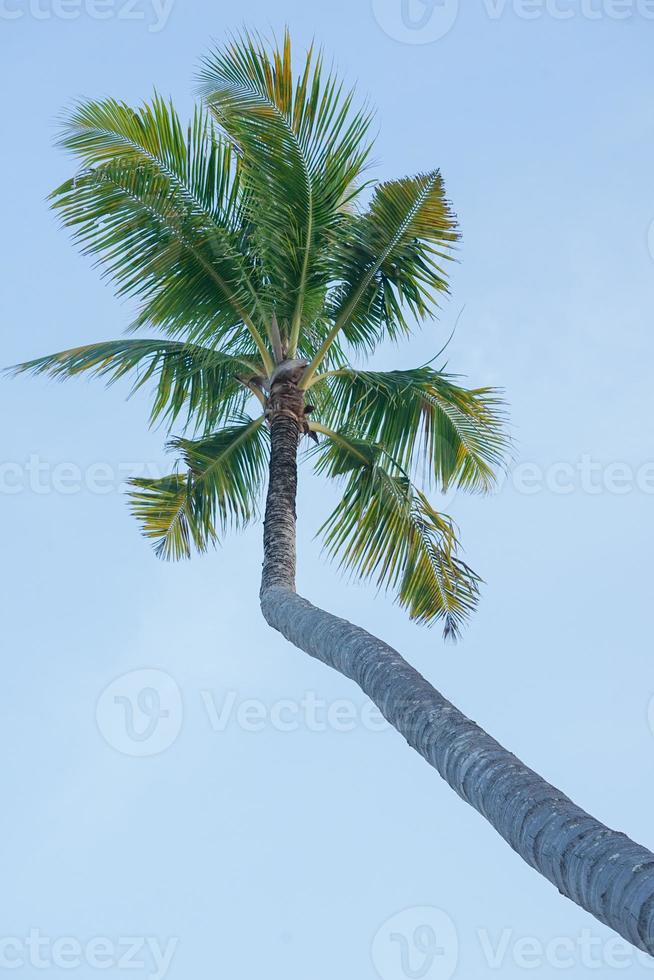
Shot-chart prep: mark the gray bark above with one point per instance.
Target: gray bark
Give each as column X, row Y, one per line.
column 601, row 870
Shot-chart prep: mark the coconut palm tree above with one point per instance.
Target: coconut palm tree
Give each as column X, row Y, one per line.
column 263, row 261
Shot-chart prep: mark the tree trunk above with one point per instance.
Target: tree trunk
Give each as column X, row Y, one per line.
column 601, row 870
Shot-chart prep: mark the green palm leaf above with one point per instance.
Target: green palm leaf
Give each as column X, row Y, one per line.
column 164, row 510
column 391, row 260
column 386, row 530
column 207, row 385
column 302, row 148
column 425, row 420
column 224, row 474
column 161, row 209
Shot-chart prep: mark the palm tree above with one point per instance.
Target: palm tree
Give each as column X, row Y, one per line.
column 247, row 243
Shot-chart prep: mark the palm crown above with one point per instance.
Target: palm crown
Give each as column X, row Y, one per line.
column 245, row 240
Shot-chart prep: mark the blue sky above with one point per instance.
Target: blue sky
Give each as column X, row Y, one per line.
column 269, row 828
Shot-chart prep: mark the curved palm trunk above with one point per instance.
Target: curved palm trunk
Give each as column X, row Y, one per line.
column 601, row 870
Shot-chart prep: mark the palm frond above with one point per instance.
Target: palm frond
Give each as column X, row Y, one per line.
column 220, row 488
column 302, row 148
column 391, row 261
column 207, row 385
column 386, row 530
column 424, row 419
column 161, row 210
column 164, row 510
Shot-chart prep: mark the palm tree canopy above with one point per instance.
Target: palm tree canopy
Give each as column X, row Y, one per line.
column 251, row 239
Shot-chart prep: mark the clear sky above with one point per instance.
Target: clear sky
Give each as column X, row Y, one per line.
column 264, row 828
